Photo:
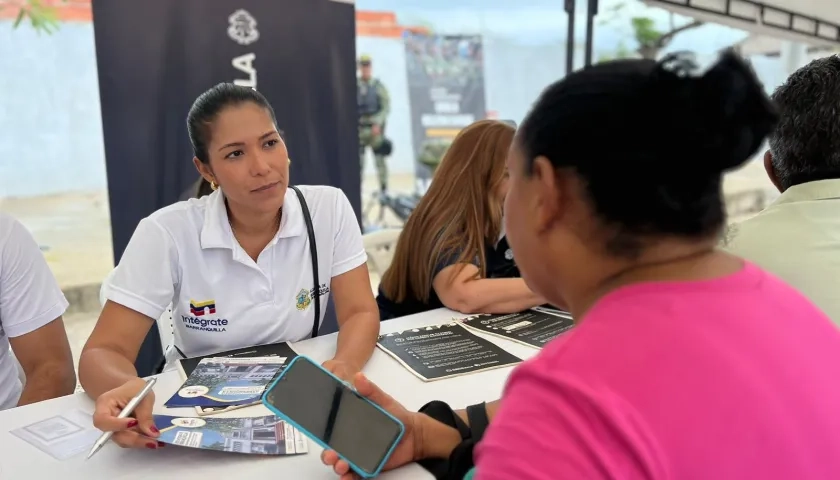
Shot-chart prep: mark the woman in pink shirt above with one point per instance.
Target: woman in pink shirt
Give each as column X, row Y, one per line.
column 687, row 363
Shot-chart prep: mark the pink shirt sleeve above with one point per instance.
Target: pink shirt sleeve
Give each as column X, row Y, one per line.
column 550, row 426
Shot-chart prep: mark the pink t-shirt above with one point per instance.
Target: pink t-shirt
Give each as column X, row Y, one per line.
column 735, row 378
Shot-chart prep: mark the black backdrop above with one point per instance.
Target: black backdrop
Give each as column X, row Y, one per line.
column 156, row 56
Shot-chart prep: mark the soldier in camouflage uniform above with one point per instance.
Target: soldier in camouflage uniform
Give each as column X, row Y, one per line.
column 374, row 106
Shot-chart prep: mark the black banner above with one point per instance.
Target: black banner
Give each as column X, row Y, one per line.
column 155, row 57
column 443, row 351
column 445, row 89
column 534, row 328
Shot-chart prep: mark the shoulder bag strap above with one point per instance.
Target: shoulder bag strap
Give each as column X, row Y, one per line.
column 313, row 251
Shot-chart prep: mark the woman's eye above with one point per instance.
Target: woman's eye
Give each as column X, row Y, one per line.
column 235, row 154
column 271, row 143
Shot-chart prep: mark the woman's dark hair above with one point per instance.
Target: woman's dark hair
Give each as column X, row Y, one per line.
column 207, row 107
column 651, row 140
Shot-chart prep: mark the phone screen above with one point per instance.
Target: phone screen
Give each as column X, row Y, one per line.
column 335, row 414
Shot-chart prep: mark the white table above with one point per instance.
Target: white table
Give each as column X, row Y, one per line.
column 19, row 460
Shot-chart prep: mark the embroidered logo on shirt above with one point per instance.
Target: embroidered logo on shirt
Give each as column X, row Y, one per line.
column 303, row 299
column 207, row 307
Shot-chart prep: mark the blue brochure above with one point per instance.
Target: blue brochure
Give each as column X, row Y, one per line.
column 266, row 435
column 222, row 382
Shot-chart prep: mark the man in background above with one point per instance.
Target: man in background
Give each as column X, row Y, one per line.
column 374, row 106
column 797, row 237
column 31, row 306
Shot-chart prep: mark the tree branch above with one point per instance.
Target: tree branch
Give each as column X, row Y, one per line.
column 666, row 38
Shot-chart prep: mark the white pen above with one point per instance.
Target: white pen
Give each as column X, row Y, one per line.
column 128, row 410
column 553, row 311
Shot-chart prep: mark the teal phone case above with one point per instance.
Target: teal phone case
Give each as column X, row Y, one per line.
column 362, row 473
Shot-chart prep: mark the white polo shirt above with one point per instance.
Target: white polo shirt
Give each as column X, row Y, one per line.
column 797, row 238
column 185, row 254
column 29, row 299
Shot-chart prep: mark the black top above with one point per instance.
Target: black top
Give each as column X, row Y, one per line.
column 500, row 264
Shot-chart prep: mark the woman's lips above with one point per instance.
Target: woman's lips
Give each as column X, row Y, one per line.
column 265, row 188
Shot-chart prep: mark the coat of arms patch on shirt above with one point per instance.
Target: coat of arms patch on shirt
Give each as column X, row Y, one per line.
column 302, row 300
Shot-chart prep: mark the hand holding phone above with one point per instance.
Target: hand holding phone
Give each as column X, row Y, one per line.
column 356, row 431
column 407, row 451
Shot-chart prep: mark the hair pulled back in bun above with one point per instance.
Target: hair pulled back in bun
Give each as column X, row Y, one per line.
column 650, row 140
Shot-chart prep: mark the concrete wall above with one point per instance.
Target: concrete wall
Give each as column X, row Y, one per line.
column 50, row 121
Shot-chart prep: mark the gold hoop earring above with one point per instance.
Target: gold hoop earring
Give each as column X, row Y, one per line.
column 214, row 186
column 290, row 161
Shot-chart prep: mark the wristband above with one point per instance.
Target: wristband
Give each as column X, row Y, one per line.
column 460, row 461
column 444, row 414
column 477, row 416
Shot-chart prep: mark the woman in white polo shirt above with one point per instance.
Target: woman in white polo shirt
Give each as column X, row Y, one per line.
column 235, row 265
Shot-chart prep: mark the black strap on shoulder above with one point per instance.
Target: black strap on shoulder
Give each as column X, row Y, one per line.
column 313, row 251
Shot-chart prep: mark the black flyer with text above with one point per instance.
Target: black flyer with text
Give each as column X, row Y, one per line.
column 443, row 351
column 534, row 328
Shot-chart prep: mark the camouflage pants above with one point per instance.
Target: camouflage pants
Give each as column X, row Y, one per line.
column 367, row 139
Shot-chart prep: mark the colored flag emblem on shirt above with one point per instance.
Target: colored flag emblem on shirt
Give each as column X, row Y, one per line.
column 201, row 308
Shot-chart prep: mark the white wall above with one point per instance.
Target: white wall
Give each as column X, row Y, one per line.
column 50, row 121
column 516, row 73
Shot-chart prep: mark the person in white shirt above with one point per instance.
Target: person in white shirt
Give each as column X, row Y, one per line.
column 797, row 237
column 235, row 265
column 31, row 306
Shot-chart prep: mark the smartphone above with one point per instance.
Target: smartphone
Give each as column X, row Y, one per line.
column 334, row 415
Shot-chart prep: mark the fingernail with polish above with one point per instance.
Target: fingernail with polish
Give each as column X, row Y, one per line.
column 132, row 424
column 161, row 444
column 152, row 446
column 154, row 429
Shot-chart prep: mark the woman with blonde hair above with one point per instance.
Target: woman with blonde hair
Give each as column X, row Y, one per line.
column 446, row 255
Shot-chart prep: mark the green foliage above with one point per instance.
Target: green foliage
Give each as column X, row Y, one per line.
column 644, row 31
column 620, row 52
column 649, row 39
column 42, row 17
column 612, row 13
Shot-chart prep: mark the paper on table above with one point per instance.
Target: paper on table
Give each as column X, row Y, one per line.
column 442, row 351
column 266, row 435
column 223, row 381
column 534, row 328
column 62, row 436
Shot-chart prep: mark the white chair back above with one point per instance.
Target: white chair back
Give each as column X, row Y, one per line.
column 380, row 246
column 164, row 323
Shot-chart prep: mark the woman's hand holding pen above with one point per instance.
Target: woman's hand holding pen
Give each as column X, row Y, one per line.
column 136, row 432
